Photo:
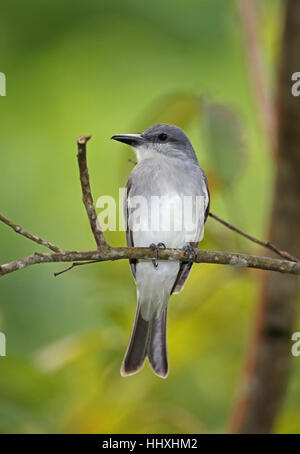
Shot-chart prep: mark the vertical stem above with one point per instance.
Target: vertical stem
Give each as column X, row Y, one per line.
column 87, row 197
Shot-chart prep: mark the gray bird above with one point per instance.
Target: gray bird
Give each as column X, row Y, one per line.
column 167, row 174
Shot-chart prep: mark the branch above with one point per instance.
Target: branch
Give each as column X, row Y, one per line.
column 86, row 192
column 107, row 253
column 58, row 273
column 119, row 253
column 266, row 244
column 30, row 236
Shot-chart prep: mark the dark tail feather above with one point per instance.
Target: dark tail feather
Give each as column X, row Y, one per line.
column 137, row 349
column 157, row 347
column 148, row 338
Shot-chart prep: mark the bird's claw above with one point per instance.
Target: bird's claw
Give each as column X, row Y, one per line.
column 155, row 248
column 192, row 252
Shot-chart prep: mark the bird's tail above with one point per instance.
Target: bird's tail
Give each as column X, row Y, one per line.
column 148, row 339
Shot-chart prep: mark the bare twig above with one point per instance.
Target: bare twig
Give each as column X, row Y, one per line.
column 266, row 244
column 86, row 192
column 119, row 253
column 58, row 273
column 30, row 236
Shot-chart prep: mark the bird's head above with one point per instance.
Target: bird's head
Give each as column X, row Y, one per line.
column 161, row 139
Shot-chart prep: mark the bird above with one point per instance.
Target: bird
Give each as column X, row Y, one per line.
column 167, row 174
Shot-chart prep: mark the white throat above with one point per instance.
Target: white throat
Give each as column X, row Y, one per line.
column 145, row 152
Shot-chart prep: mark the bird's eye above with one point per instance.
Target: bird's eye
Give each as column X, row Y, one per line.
column 162, row 137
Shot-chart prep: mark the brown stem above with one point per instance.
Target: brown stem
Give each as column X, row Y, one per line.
column 30, row 236
column 86, row 192
column 58, row 273
column 119, row 253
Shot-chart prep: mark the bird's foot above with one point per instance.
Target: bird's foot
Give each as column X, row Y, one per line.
column 192, row 252
column 156, row 247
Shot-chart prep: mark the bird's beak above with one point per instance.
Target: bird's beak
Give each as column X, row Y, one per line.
column 131, row 139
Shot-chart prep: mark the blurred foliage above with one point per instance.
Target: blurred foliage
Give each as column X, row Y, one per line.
column 101, row 68
column 224, row 142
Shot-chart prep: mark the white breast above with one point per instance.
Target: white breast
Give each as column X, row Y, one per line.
column 164, row 205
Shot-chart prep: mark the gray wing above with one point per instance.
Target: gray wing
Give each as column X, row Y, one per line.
column 208, row 195
column 129, row 236
column 185, row 267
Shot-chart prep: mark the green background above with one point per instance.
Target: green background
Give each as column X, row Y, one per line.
column 102, row 68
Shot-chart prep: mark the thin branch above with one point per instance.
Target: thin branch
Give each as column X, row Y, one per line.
column 119, row 253
column 58, row 273
column 30, row 236
column 86, row 192
column 67, row 269
column 266, row 244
